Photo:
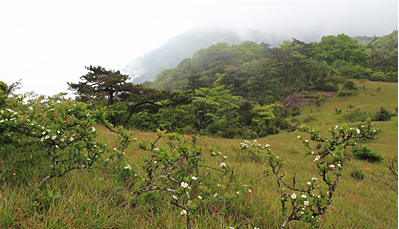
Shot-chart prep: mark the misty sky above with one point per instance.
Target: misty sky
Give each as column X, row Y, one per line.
column 48, row 43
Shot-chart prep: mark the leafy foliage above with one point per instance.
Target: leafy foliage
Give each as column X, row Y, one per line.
column 365, row 153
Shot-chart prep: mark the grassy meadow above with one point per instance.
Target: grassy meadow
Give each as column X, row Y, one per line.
column 91, row 199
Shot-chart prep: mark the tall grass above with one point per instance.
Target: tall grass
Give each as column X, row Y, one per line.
column 95, row 199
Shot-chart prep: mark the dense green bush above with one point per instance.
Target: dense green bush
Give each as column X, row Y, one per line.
column 365, row 153
column 356, row 116
column 382, row 115
column 295, row 111
column 357, row 174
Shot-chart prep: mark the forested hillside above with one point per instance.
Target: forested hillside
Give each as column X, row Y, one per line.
column 238, row 90
column 149, row 65
column 265, row 75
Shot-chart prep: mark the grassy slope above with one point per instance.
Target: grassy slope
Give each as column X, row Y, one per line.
column 95, row 201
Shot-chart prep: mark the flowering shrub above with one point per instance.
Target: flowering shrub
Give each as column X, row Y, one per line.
column 307, row 201
column 180, row 169
column 60, row 131
column 254, row 148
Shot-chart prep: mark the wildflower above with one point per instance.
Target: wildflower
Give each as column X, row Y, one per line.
column 53, row 138
column 293, row 196
column 184, row 185
column 174, row 197
column 222, row 164
column 309, row 183
column 183, row 212
column 200, row 197
column 304, row 196
column 194, row 178
column 306, row 203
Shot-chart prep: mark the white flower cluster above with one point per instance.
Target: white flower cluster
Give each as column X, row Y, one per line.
column 250, row 145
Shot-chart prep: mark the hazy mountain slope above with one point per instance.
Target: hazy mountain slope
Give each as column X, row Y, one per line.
column 149, row 65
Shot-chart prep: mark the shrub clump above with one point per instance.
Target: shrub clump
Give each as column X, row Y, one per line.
column 365, row 153
column 357, row 174
column 382, row 115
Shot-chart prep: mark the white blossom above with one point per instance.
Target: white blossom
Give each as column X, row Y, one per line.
column 303, row 196
column 317, row 158
column 174, row 197
column 200, row 197
column 309, row 183
column 183, row 212
column 293, row 196
column 194, row 178
column 306, row 203
column 184, row 185
column 314, row 178
column 222, row 164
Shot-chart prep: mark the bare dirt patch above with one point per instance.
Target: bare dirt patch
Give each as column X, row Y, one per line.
column 298, row 100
